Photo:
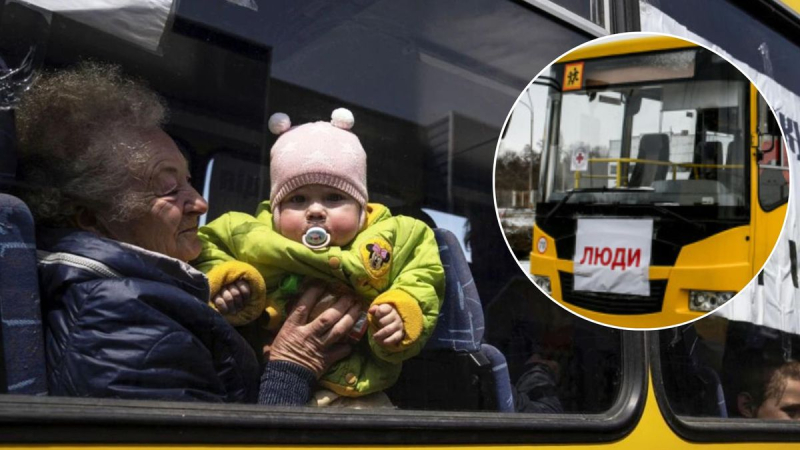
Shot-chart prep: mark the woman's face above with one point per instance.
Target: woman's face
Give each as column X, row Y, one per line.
column 169, row 226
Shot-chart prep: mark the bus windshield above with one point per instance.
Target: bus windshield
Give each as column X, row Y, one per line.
column 661, row 129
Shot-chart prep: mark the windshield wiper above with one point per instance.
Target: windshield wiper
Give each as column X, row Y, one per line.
column 680, row 217
column 586, row 190
column 566, row 197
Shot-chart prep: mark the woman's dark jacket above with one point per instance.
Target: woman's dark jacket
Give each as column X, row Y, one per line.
column 123, row 322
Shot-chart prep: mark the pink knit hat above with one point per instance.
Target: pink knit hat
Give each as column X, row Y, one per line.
column 317, row 153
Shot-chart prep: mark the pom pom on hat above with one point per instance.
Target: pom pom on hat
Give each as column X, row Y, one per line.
column 342, row 118
column 280, row 123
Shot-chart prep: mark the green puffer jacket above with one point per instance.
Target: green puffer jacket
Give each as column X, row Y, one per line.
column 392, row 260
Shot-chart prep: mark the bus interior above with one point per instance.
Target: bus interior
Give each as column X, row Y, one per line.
column 428, row 107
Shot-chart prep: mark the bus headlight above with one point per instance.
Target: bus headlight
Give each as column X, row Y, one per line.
column 543, row 282
column 706, row 301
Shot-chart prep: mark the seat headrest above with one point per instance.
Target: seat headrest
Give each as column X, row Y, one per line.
column 710, row 151
column 654, row 140
column 735, row 153
column 461, row 322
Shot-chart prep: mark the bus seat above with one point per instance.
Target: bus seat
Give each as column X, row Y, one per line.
column 709, row 152
column 710, row 383
column 502, row 381
column 21, row 335
column 733, row 178
column 735, row 153
column 772, row 185
column 652, row 147
column 460, row 327
column 713, row 383
column 457, row 370
column 695, row 385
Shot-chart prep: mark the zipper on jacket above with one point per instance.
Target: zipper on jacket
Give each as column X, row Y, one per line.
column 77, row 261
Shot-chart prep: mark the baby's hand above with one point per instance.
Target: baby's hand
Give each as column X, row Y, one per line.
column 390, row 325
column 233, row 297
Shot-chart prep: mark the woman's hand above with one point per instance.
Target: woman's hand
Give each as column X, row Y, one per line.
column 315, row 345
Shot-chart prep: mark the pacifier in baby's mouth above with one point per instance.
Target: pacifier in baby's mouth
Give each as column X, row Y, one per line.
column 316, row 237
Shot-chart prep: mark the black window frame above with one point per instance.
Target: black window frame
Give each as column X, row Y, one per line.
column 623, row 15
column 79, row 420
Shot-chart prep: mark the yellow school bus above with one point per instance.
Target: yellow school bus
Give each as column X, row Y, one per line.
column 659, row 195
column 430, row 84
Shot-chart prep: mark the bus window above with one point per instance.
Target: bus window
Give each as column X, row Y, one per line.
column 773, row 164
column 591, row 15
column 691, row 361
column 766, row 42
column 428, row 101
column 584, row 356
column 698, row 117
column 718, row 368
column 518, row 165
column 588, row 123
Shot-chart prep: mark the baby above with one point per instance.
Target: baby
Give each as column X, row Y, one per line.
column 318, row 224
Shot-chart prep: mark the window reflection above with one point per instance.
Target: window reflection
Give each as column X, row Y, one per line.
column 715, row 20
column 592, row 10
column 429, row 99
column 723, row 368
column 530, row 329
column 773, row 166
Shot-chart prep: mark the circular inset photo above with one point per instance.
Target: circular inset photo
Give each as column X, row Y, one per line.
column 641, row 180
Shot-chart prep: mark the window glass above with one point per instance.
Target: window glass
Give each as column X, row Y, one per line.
column 722, row 368
column 518, row 164
column 775, row 54
column 592, row 10
column 773, row 164
column 687, row 108
column 429, row 100
column 586, row 357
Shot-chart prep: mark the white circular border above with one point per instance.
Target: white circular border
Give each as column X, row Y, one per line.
column 622, row 37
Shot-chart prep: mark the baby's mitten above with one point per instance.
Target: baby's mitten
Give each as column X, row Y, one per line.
column 232, row 271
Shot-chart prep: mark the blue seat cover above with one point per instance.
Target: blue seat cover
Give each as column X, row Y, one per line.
column 20, row 313
column 460, row 326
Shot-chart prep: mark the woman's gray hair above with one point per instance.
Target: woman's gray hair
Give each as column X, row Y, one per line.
column 81, row 136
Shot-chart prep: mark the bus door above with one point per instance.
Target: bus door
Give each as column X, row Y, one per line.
column 771, row 171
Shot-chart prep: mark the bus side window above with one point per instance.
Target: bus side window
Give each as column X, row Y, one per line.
column 773, row 169
column 583, row 358
column 724, row 368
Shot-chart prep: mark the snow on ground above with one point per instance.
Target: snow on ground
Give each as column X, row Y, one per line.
column 516, row 217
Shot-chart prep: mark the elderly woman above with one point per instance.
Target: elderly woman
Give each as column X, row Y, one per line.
column 125, row 315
